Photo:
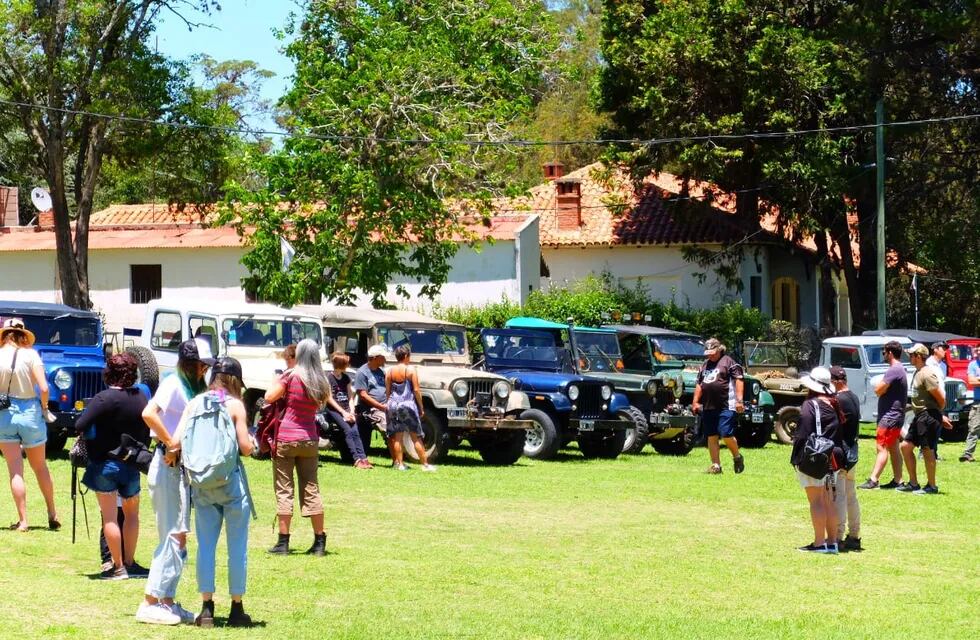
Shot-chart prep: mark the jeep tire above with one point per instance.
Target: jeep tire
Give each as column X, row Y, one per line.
column 542, row 440
column 434, row 437
column 637, row 435
column 754, row 435
column 787, row 421
column 146, row 367
column 602, row 444
column 503, row 448
column 55, row 445
column 678, row 446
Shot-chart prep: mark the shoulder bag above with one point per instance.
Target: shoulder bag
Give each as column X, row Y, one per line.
column 270, row 418
column 5, row 397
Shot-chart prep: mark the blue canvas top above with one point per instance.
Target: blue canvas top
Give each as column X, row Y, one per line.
column 538, row 323
column 13, row 308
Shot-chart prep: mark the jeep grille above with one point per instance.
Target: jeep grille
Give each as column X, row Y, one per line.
column 952, row 402
column 589, row 401
column 87, row 384
column 481, row 391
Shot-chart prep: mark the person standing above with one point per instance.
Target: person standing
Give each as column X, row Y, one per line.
column 117, row 417
column 892, row 392
column 305, row 389
column 339, row 411
column 845, row 498
column 405, row 410
column 937, row 359
column 818, row 415
column 973, row 377
column 168, row 487
column 228, row 504
column 718, row 397
column 369, row 383
column 928, row 400
column 22, row 423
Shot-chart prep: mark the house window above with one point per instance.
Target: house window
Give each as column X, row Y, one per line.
column 145, row 283
column 755, row 292
column 786, row 300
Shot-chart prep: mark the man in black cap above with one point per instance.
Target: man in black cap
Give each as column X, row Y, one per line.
column 938, row 359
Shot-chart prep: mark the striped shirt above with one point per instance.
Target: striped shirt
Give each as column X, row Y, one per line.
column 299, row 422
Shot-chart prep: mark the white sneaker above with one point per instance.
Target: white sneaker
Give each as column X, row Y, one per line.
column 428, row 467
column 158, row 613
column 400, row 467
column 185, row 616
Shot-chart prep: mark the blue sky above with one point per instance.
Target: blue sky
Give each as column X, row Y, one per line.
column 242, row 30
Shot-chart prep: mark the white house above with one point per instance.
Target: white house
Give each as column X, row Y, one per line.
column 141, row 252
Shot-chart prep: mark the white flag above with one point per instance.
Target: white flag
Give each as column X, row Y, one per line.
column 287, row 253
column 915, row 282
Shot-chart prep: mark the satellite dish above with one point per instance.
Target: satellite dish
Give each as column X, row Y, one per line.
column 41, row 199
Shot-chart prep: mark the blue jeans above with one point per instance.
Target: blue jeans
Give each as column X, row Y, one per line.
column 229, row 505
column 22, row 423
column 351, row 434
column 171, row 504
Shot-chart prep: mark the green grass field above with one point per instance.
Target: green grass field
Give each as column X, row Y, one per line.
column 643, row 546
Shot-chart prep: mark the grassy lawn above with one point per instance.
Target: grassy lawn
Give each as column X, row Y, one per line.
column 643, row 546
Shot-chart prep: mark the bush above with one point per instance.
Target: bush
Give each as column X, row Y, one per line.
column 596, row 300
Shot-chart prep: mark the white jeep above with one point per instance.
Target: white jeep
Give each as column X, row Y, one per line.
column 253, row 334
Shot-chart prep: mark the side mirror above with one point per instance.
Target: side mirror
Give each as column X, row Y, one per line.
column 328, row 344
column 224, row 337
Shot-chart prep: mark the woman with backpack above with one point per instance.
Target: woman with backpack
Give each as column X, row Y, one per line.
column 168, row 490
column 305, row 390
column 405, row 410
column 115, row 417
column 816, row 446
column 212, row 437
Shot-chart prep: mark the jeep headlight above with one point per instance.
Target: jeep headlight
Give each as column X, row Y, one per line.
column 572, row 392
column 606, row 392
column 62, row 379
column 756, row 389
column 678, row 386
column 501, row 389
column 461, row 389
column 652, row 388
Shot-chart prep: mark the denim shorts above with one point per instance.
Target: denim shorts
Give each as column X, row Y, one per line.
column 22, row 423
column 111, row 475
column 718, row 423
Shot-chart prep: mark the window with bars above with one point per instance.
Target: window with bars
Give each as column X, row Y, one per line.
column 145, row 283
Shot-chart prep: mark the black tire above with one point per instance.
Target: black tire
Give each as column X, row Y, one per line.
column 55, row 445
column 434, row 437
column 542, row 441
column 146, row 367
column 755, row 436
column 606, row 444
column 504, row 449
column 787, row 421
column 637, row 436
column 679, row 446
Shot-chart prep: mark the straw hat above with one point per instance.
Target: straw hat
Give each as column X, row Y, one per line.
column 819, row 380
column 11, row 325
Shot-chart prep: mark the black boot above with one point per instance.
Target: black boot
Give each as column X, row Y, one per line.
column 238, row 617
column 319, row 547
column 206, row 617
column 282, row 547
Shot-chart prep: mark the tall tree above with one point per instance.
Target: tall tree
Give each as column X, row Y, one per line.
column 389, row 100
column 60, row 58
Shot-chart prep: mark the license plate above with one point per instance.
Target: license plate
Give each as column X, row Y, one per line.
column 586, row 425
column 757, row 418
column 658, row 418
column 954, row 417
column 457, row 413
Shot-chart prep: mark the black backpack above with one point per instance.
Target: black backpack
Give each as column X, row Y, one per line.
column 818, row 451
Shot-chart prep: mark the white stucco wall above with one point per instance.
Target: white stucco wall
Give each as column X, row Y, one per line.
column 662, row 271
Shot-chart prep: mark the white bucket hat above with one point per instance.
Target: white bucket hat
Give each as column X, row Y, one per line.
column 819, row 380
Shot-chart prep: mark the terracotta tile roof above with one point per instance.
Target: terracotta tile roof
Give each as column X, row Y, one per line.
column 118, row 215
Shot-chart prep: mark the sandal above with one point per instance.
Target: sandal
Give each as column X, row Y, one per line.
column 54, row 524
column 16, row 527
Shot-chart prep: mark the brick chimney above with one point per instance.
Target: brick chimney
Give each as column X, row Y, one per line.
column 9, row 206
column 553, row 170
column 568, row 193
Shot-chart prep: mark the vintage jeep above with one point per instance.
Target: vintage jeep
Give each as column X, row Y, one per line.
column 254, row 334
column 460, row 402
column 768, row 362
column 675, row 357
column 565, row 406
column 70, row 344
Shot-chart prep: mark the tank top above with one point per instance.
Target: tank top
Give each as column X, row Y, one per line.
column 402, row 395
column 299, row 422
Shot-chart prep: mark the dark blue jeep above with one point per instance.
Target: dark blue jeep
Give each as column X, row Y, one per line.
column 564, row 405
column 70, row 344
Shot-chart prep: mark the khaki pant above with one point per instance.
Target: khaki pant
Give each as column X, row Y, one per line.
column 974, row 433
column 303, row 456
column 846, row 503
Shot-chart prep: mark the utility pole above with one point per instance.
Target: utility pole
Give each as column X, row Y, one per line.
column 880, row 164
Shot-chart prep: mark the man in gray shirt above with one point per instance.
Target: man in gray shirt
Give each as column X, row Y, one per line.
column 369, row 385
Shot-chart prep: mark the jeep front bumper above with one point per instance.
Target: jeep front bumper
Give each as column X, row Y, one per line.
column 464, row 418
column 583, row 425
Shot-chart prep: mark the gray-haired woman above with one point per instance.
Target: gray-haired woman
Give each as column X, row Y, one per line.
column 305, row 389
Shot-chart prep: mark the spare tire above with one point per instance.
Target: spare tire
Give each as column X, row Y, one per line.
column 146, row 367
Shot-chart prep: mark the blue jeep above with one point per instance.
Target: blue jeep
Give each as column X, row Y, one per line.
column 70, row 344
column 564, row 405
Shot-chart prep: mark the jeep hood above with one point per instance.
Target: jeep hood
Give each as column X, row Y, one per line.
column 543, row 381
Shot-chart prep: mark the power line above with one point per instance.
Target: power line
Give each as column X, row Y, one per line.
column 758, row 135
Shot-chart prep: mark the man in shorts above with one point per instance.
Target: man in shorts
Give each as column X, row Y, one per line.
column 892, row 392
column 369, row 385
column 928, row 400
column 973, row 377
column 718, row 398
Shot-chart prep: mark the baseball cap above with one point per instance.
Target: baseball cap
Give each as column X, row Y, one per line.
column 378, row 350
column 837, row 373
column 228, row 366
column 941, row 343
column 918, row 349
column 197, row 349
column 712, row 345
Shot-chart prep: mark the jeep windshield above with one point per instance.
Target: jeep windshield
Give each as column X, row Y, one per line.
column 764, row 355
column 598, row 351
column 523, row 351
column 62, row 330
column 435, row 340
column 278, row 333
column 678, row 349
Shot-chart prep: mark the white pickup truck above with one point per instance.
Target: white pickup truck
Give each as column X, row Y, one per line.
column 254, row 334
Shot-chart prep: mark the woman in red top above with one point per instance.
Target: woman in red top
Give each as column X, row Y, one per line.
column 306, row 390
